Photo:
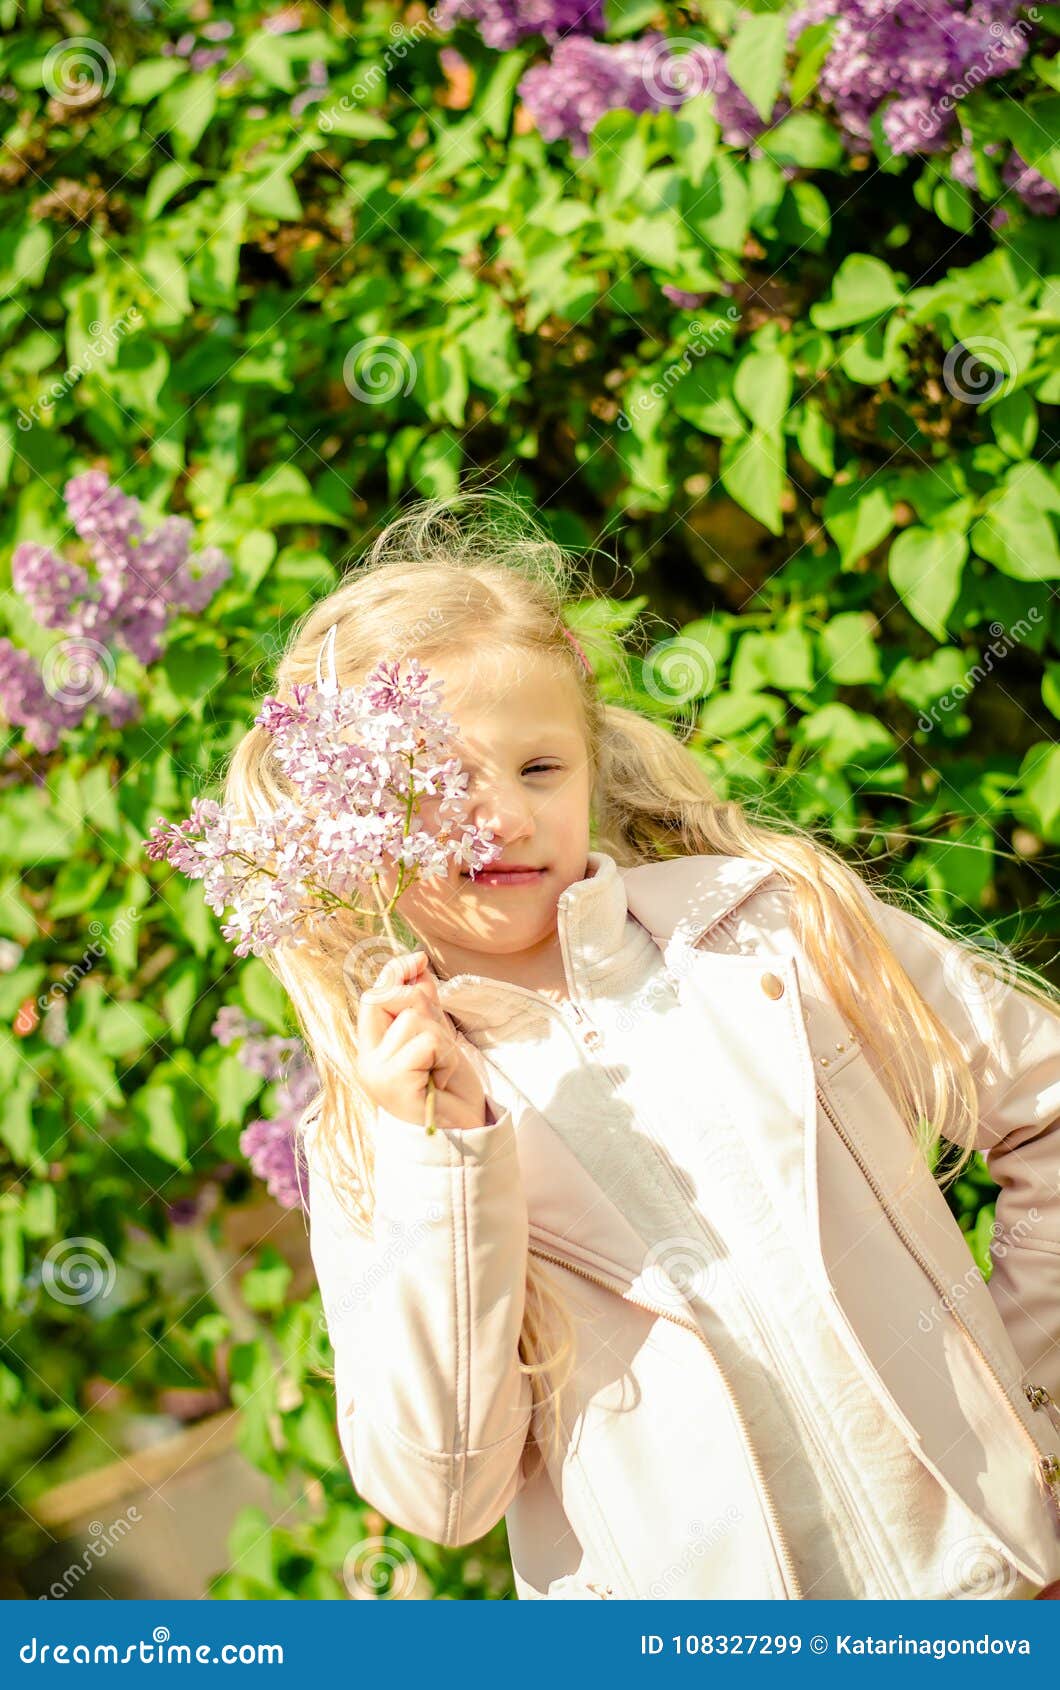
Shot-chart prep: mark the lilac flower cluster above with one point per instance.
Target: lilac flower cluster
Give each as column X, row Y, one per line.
column 504, row 23
column 141, row 582
column 271, row 1145
column 917, row 55
column 45, row 715
column 585, row 78
column 360, row 761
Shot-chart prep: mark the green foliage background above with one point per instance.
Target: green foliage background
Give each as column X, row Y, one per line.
column 283, row 326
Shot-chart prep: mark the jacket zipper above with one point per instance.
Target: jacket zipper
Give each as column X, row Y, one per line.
column 1048, row 1467
column 779, row 1544
column 1039, row 1397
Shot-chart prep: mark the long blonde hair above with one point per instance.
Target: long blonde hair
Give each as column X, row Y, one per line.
column 436, row 584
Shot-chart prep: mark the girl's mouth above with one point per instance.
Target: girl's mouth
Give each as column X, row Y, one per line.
column 507, row 877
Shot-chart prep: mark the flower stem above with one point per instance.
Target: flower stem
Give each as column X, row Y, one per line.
column 396, row 947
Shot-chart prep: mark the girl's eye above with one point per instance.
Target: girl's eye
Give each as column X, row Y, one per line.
column 548, row 768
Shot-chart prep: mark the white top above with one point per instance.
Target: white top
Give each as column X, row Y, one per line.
column 862, row 1516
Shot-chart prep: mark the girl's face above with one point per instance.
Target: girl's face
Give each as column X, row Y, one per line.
column 520, row 736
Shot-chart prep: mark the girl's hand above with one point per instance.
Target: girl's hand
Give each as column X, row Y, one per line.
column 403, row 1034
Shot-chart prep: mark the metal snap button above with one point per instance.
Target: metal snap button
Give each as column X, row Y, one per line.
column 772, row 985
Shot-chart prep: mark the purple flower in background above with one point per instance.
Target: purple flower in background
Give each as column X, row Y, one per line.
column 1039, row 194
column 271, row 1145
column 920, row 55
column 45, row 707
column 682, row 298
column 142, row 580
column 504, row 23
column 585, row 78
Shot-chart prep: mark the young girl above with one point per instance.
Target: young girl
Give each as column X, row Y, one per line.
column 673, row 1286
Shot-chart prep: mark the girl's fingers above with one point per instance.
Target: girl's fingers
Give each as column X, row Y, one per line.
column 382, row 1001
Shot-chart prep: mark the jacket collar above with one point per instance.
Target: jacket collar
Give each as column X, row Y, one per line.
column 678, row 899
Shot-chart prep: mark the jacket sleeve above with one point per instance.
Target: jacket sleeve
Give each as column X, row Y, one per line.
column 1013, row 1045
column 424, row 1319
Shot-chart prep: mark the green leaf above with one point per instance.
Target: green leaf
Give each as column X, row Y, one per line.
column 862, row 288
column 1014, row 420
column 77, row 887
column 805, row 140
column 184, row 110
column 849, row 654
column 24, row 253
column 858, row 516
column 16, row 1119
column 755, row 59
column 1040, row 776
column 265, row 1286
column 752, row 472
column 1034, row 128
column 762, row 384
column 815, row 437
column 150, row 77
column 183, row 983
column 925, row 567
column 126, row 1029
column 1016, row 532
column 235, row 1087
column 703, row 396
column 263, row 996
column 339, row 119
column 161, row 1109
column 695, row 136
column 811, row 49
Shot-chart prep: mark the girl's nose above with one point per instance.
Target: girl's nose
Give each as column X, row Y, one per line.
column 505, row 813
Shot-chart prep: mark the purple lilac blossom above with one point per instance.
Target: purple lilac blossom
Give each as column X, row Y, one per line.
column 141, row 581
column 44, row 717
column 921, row 56
column 269, row 1144
column 585, row 78
column 1040, row 195
column 504, row 23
